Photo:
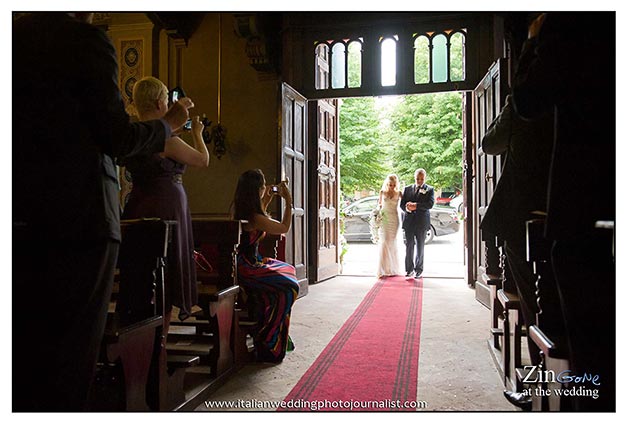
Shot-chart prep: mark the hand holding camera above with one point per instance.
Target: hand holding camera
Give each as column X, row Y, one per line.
column 177, row 116
column 281, row 190
column 177, row 98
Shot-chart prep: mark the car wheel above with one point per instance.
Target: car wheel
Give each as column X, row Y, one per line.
column 429, row 236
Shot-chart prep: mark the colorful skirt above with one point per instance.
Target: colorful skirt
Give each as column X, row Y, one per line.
column 271, row 289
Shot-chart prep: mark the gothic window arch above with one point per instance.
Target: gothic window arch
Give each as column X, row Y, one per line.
column 439, row 57
column 388, row 60
column 375, row 61
column 339, row 63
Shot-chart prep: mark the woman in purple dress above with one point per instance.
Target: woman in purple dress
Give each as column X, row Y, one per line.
column 158, row 192
column 270, row 285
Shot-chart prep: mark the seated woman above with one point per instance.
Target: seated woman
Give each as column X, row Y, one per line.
column 270, row 285
column 158, row 192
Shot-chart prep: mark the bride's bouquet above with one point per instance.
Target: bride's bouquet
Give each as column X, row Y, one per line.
column 375, row 223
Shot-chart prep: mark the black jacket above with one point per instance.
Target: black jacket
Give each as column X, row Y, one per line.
column 419, row 219
column 522, row 187
column 570, row 69
column 69, row 126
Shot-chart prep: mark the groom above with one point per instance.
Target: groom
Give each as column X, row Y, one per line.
column 416, row 202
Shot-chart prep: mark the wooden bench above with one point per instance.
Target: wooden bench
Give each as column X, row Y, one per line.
column 549, row 333
column 507, row 326
column 512, row 333
column 492, row 278
column 130, row 348
column 208, row 333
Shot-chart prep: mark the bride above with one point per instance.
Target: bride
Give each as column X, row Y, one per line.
column 388, row 204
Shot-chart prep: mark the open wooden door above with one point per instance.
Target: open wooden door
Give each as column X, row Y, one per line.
column 488, row 99
column 293, row 165
column 324, row 246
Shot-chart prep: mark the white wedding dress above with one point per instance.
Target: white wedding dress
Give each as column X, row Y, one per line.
column 388, row 237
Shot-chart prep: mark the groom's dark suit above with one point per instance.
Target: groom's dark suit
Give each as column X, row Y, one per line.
column 416, row 223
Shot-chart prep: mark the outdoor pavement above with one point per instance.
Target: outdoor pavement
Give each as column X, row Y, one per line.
column 444, row 257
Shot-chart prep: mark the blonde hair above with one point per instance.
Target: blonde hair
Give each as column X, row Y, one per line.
column 146, row 91
column 395, row 179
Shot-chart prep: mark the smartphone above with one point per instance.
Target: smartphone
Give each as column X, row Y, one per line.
column 176, row 94
column 274, row 189
column 188, row 125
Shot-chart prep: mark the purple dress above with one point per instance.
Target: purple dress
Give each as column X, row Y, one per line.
column 158, row 193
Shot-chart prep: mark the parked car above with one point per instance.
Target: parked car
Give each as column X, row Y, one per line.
column 452, row 199
column 443, row 220
column 456, row 203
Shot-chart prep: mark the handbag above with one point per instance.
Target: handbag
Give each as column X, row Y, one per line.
column 202, row 262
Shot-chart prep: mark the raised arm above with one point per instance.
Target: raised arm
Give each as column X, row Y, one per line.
column 272, row 226
column 196, row 155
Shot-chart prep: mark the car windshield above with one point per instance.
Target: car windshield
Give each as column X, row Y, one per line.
column 366, row 206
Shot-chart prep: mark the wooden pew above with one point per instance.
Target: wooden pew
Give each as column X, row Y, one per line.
column 507, row 326
column 548, row 334
column 492, row 276
column 209, row 332
column 135, row 322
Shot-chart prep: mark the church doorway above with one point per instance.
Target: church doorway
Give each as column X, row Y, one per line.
column 386, row 135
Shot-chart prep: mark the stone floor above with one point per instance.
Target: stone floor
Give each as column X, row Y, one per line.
column 456, row 370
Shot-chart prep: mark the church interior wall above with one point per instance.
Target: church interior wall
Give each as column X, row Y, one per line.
column 248, row 104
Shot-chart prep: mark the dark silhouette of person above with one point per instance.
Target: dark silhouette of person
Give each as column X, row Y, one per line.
column 521, row 191
column 568, row 65
column 69, row 126
column 416, row 202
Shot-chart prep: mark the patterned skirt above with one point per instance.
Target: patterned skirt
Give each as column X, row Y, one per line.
column 271, row 289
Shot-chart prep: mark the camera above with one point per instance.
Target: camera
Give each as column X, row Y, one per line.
column 176, row 94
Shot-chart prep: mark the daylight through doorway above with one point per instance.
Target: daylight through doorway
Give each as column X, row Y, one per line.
column 398, row 134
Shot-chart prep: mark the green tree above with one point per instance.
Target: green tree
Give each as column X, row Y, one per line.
column 362, row 153
column 421, row 131
column 427, row 133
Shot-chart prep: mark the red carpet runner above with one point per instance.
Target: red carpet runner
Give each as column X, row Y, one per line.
column 372, row 362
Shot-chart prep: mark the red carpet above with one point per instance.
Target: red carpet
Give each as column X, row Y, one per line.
column 372, row 362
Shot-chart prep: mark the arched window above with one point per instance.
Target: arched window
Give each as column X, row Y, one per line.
column 321, row 68
column 338, row 62
column 439, row 58
column 389, row 61
column 355, row 64
column 421, row 60
column 457, row 56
